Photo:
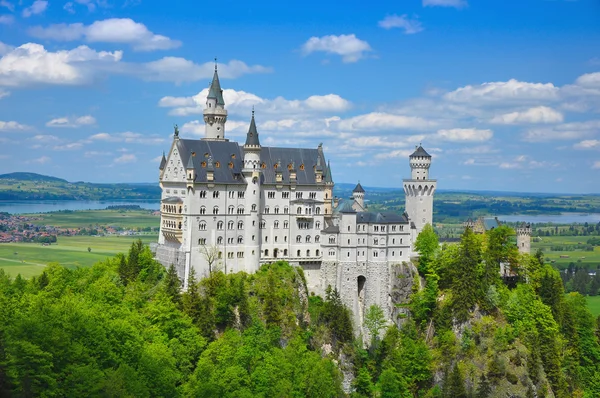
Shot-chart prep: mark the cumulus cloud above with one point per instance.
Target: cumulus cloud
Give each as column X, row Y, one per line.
column 589, row 80
column 72, row 121
column 587, row 144
column 13, row 126
column 38, row 7
column 565, row 131
column 5, row 48
column 349, row 47
column 6, row 19
column 445, row 3
column 113, row 30
column 464, row 135
column 45, row 138
column 537, row 115
column 240, row 102
column 383, row 121
column 41, row 160
column 512, row 90
column 68, row 147
column 91, row 5
column 410, row 26
column 125, row 158
column 128, row 137
column 32, row 64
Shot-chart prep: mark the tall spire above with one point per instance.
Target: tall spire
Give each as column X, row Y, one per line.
column 328, row 175
column 215, row 88
column 163, row 162
column 252, row 136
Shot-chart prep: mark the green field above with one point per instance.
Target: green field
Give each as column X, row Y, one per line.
column 590, row 260
column 91, row 218
column 29, row 259
column 593, row 303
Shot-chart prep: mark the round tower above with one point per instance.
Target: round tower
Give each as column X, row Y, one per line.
column 524, row 238
column 419, row 190
column 252, row 174
column 215, row 114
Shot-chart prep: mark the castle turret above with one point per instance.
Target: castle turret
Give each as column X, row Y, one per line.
column 215, row 114
column 163, row 164
column 419, row 190
column 358, row 194
column 329, row 205
column 190, row 172
column 524, row 238
column 252, row 174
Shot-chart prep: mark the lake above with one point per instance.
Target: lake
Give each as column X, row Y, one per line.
column 563, row 218
column 45, row 206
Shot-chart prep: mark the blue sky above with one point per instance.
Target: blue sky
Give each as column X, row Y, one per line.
column 504, row 94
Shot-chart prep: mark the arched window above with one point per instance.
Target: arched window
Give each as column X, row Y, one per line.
column 230, row 225
column 220, row 225
column 299, row 210
column 202, row 210
column 276, row 209
column 332, row 239
column 216, row 210
column 267, row 210
column 220, row 240
column 285, row 252
column 202, row 226
column 253, row 207
column 266, row 252
column 332, row 252
column 375, row 241
column 318, row 253
column 240, row 239
column 298, row 239
column 240, row 210
column 285, row 224
column 307, row 238
column 240, row 225
column 286, row 210
column 348, row 228
column 318, row 225
column 308, row 253
column 317, row 238
column 276, row 224
column 298, row 253
column 318, row 210
column 263, row 224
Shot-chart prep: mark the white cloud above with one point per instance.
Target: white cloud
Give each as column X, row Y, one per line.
column 12, row 126
column 240, row 102
column 445, row 3
column 38, row 7
column 587, row 144
column 5, row 48
column 233, row 127
column 91, row 5
column 90, row 154
column 464, row 135
column 128, row 137
column 41, row 160
column 6, row 19
column 180, row 70
column 539, row 114
column 383, row 121
column 349, row 47
column 512, row 90
column 399, row 153
column 565, row 131
column 45, row 138
column 72, row 121
column 31, row 64
column 68, row 147
column 113, row 30
column 589, row 80
column 126, row 158
column 7, row 4
column 410, row 26
column 596, row 165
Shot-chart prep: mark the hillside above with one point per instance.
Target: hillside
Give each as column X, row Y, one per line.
column 32, row 186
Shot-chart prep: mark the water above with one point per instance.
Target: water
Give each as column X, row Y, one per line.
column 45, row 206
column 563, row 218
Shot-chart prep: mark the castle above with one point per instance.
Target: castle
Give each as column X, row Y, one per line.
column 233, row 207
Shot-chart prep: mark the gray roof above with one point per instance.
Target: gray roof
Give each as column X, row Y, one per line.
column 332, row 229
column 215, row 89
column 190, row 163
column 420, row 152
column 252, row 136
column 358, row 188
column 327, row 176
column 381, row 218
column 225, row 152
column 163, row 162
column 344, row 206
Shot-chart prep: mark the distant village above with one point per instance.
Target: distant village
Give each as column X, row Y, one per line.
column 16, row 228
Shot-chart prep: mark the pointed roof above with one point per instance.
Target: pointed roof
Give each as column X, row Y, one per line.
column 252, row 136
column 358, row 189
column 215, row 91
column 163, row 162
column 328, row 174
column 420, row 152
column 190, row 163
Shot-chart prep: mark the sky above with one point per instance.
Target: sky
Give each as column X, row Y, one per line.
column 505, row 95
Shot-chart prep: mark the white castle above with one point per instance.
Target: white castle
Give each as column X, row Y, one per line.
column 234, row 207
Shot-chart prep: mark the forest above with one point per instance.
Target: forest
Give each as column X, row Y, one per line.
column 124, row 328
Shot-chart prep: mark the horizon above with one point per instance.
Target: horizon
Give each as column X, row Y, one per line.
column 502, row 95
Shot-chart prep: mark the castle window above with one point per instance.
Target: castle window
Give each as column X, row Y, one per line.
column 216, row 210
column 276, row 239
column 348, row 228
column 332, row 239
column 271, row 195
column 276, row 209
column 317, row 253
column 263, row 224
column 285, row 252
column 375, row 254
column 230, row 210
column 266, row 252
column 286, row 210
column 312, row 195
column 202, row 226
column 317, row 238
column 348, row 254
column 276, row 224
column 400, row 252
column 220, row 225
column 240, row 210
column 266, row 239
column 230, row 225
column 285, row 238
column 220, row 255
column 202, row 210
column 400, row 240
column 285, row 195
column 393, row 253
column 285, row 225
column 298, row 195
column 393, row 228
column 253, row 238
column 383, row 228
column 202, row 194
column 318, row 210
column 267, row 210
column 241, row 194
column 253, row 207
column 318, row 225
column 220, row 240
column 307, row 238
column 215, row 194
column 240, row 225
column 202, row 241
column 298, row 239
column 299, row 210
column 332, row 252
column 230, row 240
column 308, row 253
column 393, row 241
column 298, row 253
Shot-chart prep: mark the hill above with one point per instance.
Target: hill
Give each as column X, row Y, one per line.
column 30, row 177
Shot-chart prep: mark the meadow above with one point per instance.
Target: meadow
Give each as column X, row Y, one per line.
column 29, row 259
column 580, row 257
column 593, row 303
column 90, row 218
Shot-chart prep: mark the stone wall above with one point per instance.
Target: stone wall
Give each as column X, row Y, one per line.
column 402, row 278
column 168, row 254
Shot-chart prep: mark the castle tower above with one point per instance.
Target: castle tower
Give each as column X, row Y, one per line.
column 328, row 191
column 358, row 194
column 215, row 114
column 252, row 174
column 419, row 190
column 524, row 238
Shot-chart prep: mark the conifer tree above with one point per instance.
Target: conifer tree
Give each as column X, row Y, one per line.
column 465, row 280
column 122, row 269
column 426, row 244
column 173, row 285
column 191, row 298
column 43, row 280
column 484, row 390
column 362, row 384
column 456, row 384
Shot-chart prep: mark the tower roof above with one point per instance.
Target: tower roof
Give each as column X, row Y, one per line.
column 420, row 152
column 328, row 174
column 190, row 163
column 252, row 136
column 163, row 162
column 358, row 189
column 215, row 92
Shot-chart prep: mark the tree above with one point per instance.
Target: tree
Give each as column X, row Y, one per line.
column 455, row 384
column 581, row 281
column 362, row 383
column 465, row 276
column 211, row 255
column 500, row 250
column 89, row 249
column 173, row 285
column 484, row 390
column 426, row 244
column 374, row 321
column 393, row 385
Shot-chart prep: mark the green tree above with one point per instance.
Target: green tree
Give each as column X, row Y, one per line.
column 455, row 384
column 426, row 244
column 173, row 285
column 363, row 386
column 465, row 277
column 374, row 321
column 484, row 390
column 393, row 385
